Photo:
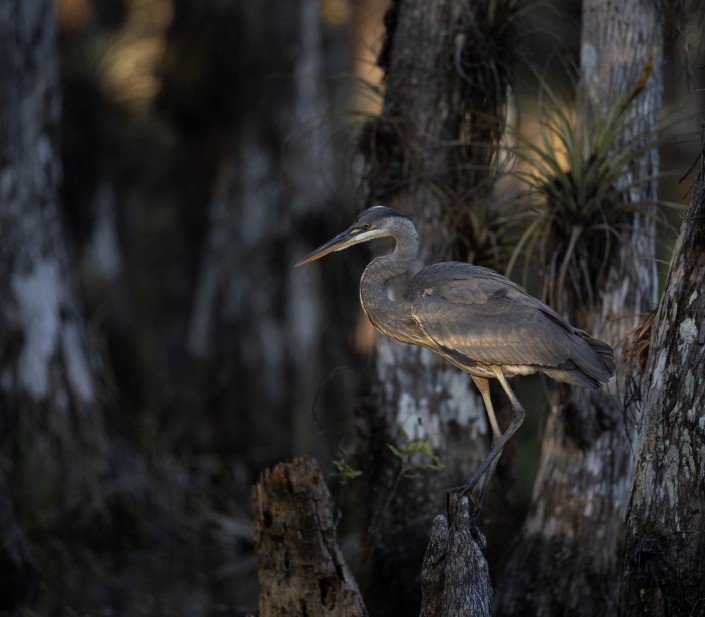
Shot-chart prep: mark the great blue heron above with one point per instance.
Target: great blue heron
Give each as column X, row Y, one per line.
column 478, row 320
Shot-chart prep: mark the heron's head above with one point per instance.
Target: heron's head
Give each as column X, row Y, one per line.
column 375, row 222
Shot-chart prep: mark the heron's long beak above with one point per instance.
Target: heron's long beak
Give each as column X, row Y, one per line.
column 340, row 242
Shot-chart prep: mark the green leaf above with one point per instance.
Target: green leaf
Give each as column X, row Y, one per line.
column 395, row 451
column 430, row 466
column 426, row 448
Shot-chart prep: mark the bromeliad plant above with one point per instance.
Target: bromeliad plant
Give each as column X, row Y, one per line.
column 582, row 192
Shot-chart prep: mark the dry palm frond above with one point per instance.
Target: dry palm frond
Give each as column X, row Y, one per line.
column 635, row 349
column 635, row 346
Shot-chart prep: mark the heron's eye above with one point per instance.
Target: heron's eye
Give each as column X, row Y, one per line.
column 366, row 225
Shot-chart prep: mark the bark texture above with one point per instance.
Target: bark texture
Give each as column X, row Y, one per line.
column 568, row 557
column 455, row 579
column 52, row 421
column 302, row 570
column 446, row 82
column 664, row 565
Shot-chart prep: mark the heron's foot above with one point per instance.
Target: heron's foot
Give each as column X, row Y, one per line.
column 465, row 489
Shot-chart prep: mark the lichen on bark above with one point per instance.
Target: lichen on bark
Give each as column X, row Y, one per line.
column 664, row 565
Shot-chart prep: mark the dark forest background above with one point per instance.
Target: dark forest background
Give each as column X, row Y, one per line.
column 205, row 147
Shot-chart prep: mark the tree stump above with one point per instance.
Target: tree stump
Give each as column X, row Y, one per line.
column 301, row 567
column 455, row 579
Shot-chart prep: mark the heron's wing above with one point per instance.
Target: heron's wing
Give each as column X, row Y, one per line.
column 497, row 331
column 462, row 283
column 490, row 320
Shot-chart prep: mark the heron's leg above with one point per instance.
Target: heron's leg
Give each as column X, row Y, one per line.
column 483, row 385
column 518, row 415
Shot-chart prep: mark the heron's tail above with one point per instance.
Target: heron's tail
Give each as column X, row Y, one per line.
column 603, row 350
column 591, row 362
column 590, row 365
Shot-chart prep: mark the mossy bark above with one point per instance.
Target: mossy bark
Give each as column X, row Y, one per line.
column 664, row 565
column 568, row 557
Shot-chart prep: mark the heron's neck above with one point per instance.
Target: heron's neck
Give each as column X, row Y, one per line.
column 386, row 315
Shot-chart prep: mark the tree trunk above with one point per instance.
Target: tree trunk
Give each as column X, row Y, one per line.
column 256, row 325
column 423, row 159
column 302, row 570
column 663, row 572
column 53, row 423
column 568, row 557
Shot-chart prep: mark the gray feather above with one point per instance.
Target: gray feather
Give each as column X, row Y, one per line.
column 485, row 318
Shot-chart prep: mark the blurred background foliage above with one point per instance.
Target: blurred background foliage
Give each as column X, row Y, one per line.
column 206, row 147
